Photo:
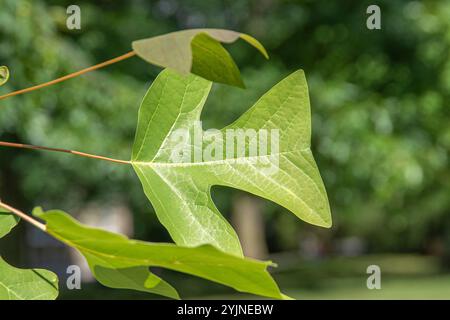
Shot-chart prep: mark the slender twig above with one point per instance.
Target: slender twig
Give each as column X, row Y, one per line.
column 77, row 153
column 70, row 76
column 24, row 216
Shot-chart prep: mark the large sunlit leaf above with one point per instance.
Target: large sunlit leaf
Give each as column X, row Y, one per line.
column 180, row 192
column 27, row 284
column 4, row 75
column 198, row 51
column 108, row 254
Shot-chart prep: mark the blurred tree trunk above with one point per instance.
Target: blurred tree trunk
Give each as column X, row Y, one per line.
column 248, row 221
column 446, row 245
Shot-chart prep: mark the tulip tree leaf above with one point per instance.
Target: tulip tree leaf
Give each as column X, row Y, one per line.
column 26, row 284
column 106, row 252
column 7, row 222
column 135, row 278
column 180, row 192
column 4, row 75
column 198, row 51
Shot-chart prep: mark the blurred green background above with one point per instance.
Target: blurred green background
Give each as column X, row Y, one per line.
column 381, row 136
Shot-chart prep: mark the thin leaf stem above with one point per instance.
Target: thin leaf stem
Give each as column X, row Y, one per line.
column 70, row 76
column 23, row 216
column 77, row 153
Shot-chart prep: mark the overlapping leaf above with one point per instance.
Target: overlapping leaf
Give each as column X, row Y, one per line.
column 113, row 257
column 180, row 192
column 135, row 278
column 23, row 284
column 198, row 51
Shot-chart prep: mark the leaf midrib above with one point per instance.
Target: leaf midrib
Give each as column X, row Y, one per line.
column 231, row 161
column 207, row 163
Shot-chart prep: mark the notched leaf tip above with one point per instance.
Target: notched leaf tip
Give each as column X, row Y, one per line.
column 255, row 43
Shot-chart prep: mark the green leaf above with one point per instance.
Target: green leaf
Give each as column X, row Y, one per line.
column 198, row 51
column 180, row 192
column 135, row 278
column 4, row 75
column 106, row 252
column 29, row 284
column 213, row 62
column 23, row 284
column 7, row 222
